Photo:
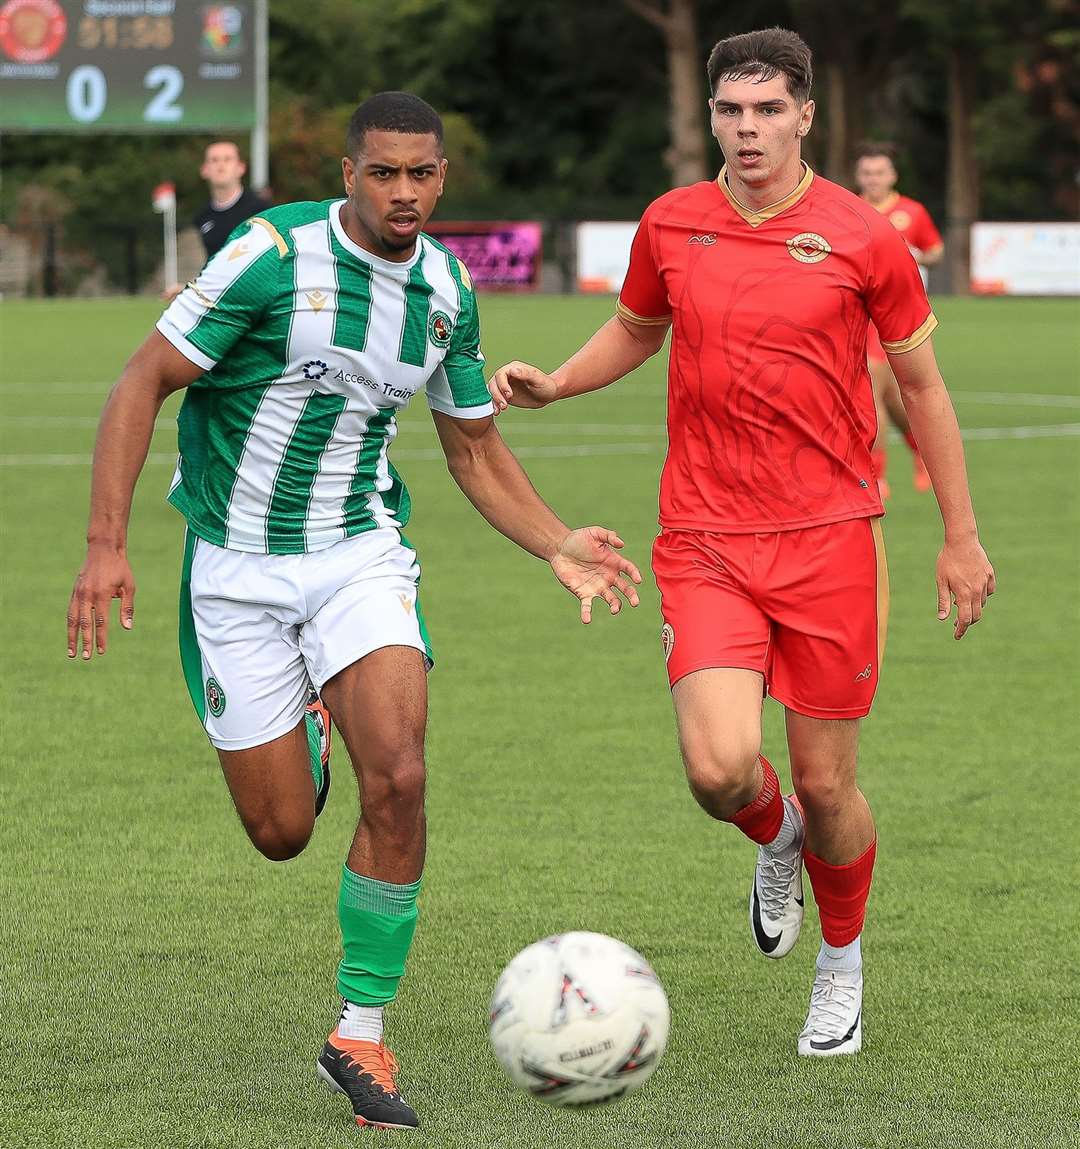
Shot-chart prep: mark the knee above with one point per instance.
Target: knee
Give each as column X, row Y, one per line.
column 721, row 777
column 824, row 793
column 278, row 839
column 395, row 792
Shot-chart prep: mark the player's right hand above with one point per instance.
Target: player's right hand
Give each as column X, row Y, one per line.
column 521, row 385
column 105, row 575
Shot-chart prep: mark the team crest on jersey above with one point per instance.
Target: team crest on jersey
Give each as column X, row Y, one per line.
column 900, row 219
column 440, row 329
column 808, row 247
column 667, row 640
column 215, row 697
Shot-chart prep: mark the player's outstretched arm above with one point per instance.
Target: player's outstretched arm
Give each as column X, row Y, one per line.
column 123, row 439
column 964, row 573
column 585, row 561
column 614, row 351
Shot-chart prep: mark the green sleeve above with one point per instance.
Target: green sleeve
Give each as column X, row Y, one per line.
column 228, row 297
column 464, row 361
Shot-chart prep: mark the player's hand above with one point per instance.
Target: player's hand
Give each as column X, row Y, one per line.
column 964, row 576
column 521, row 385
column 587, row 563
column 105, row 575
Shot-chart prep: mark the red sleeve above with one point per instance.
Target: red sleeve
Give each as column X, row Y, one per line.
column 922, row 233
column 644, row 298
column 895, row 296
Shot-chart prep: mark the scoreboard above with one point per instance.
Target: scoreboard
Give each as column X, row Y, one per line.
column 126, row 65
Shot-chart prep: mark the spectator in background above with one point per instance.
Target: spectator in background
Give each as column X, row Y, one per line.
column 230, row 202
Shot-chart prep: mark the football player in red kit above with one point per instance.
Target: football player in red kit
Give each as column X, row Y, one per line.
column 769, row 559
column 875, row 177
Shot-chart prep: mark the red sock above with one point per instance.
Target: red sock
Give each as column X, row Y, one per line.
column 841, row 893
column 879, row 461
column 909, row 438
column 761, row 819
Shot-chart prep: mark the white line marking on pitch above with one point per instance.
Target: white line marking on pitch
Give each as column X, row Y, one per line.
column 993, row 398
column 562, row 450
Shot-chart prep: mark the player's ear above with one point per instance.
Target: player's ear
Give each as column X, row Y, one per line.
column 444, row 163
column 806, row 117
column 348, row 174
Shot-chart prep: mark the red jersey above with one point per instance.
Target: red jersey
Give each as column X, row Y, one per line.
column 770, row 411
column 912, row 221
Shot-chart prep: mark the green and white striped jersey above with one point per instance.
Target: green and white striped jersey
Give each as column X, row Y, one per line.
column 311, row 346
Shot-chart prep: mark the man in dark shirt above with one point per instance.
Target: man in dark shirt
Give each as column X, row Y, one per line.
column 230, row 202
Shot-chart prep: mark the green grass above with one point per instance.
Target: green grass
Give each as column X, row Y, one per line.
column 161, row 985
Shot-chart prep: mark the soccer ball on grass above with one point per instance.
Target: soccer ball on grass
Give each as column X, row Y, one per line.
column 579, row 1019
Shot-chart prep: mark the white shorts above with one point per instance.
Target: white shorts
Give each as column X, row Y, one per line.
column 257, row 632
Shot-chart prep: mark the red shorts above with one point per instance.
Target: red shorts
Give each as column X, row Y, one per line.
column 805, row 608
column 874, row 350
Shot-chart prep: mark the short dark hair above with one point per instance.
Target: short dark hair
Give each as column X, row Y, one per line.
column 392, row 112
column 226, row 143
column 869, row 148
column 764, row 54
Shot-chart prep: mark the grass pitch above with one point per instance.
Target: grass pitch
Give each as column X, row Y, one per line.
column 162, row 985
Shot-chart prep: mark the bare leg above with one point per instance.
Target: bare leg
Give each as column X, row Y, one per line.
column 719, row 717
column 380, row 707
column 272, row 790
column 839, row 825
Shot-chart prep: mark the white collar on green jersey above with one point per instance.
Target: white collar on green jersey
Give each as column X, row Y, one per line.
column 354, row 248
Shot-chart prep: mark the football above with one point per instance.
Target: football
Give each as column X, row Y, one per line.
column 579, row 1019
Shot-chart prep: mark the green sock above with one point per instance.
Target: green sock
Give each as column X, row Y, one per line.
column 315, row 750
column 378, row 920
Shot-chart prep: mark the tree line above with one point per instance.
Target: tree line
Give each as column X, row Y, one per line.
column 561, row 110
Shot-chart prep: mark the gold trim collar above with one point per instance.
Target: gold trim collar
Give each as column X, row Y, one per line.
column 756, row 218
column 887, row 204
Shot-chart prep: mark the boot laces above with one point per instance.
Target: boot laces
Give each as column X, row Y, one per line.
column 377, row 1062
column 776, row 876
column 832, row 1004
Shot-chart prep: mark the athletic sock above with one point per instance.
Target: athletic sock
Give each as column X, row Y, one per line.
column 841, row 893
column 360, row 1022
column 789, row 830
column 909, row 438
column 844, row 959
column 314, row 742
column 378, row 920
column 761, row 819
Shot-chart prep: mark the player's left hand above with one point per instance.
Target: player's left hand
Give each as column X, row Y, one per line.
column 588, row 565
column 964, row 576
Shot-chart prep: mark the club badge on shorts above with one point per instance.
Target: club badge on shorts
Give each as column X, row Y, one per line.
column 667, row 640
column 215, row 697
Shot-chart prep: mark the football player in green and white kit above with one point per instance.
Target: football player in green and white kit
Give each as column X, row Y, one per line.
column 298, row 344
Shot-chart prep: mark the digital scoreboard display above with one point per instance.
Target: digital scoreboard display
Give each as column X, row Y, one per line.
column 126, row 65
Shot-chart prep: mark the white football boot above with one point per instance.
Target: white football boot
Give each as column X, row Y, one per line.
column 834, row 1023
column 776, row 894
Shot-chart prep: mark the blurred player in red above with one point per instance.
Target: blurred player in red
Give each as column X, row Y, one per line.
column 875, row 177
column 769, row 559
